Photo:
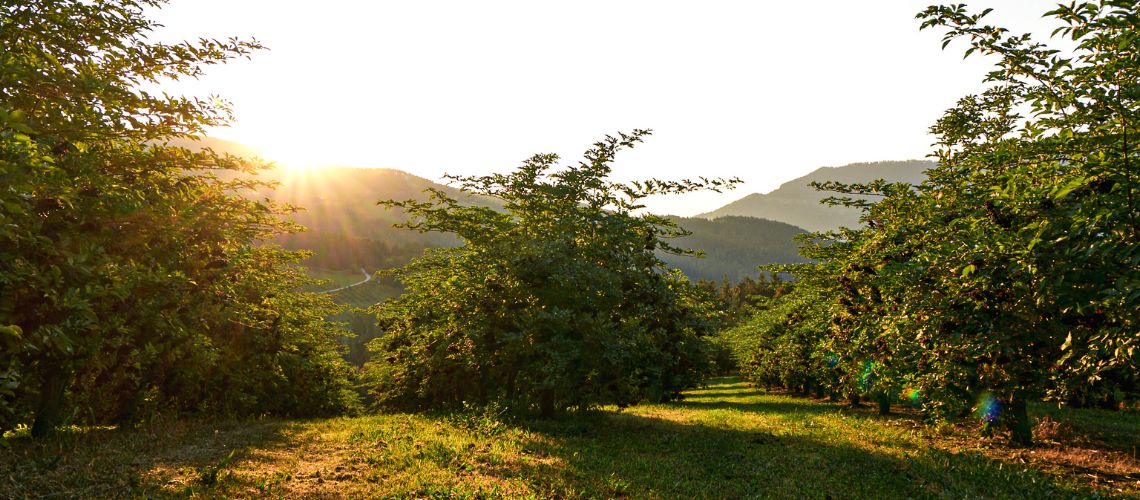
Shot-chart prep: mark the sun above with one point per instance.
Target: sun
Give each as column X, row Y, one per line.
column 293, row 157
column 295, row 168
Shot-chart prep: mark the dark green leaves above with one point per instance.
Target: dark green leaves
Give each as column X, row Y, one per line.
column 558, row 301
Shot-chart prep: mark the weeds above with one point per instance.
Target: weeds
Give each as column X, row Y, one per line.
column 208, row 475
column 484, row 420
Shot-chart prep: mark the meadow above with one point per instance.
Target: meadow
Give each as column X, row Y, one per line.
column 725, row 440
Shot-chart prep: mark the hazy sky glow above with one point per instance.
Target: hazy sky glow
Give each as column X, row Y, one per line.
column 766, row 91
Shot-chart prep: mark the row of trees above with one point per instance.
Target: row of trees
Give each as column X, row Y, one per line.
column 131, row 278
column 1014, row 270
column 137, row 278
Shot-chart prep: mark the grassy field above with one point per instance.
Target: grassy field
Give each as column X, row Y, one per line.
column 727, row 440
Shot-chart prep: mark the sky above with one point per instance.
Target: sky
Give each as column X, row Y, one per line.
column 760, row 90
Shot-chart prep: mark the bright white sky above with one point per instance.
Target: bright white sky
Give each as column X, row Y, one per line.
column 765, row 91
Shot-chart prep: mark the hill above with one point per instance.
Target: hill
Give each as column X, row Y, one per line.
column 347, row 231
column 796, row 202
column 734, row 246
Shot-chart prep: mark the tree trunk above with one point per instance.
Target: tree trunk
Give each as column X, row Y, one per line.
column 884, row 403
column 1020, row 429
column 546, row 403
column 511, row 392
column 49, row 411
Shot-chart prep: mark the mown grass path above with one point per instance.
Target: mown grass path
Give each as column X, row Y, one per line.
column 727, row 440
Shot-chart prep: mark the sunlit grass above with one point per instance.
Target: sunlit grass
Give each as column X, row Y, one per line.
column 724, row 441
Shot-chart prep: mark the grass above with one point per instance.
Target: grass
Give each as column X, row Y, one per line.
column 727, row 440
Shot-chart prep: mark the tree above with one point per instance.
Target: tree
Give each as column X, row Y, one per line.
column 121, row 258
column 1013, row 269
column 557, row 301
column 1048, row 199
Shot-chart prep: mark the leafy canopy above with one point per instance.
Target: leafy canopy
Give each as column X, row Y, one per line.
column 1013, row 270
column 127, row 268
column 559, row 300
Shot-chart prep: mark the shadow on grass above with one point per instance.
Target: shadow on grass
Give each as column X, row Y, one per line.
column 719, row 394
column 109, row 463
column 1106, row 428
column 679, row 451
column 613, row 455
column 607, row 454
column 761, row 407
column 777, row 402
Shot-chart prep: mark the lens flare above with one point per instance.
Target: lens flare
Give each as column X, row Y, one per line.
column 832, row 360
column 913, row 395
column 988, row 408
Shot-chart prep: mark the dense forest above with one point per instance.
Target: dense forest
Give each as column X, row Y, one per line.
column 145, row 278
column 732, row 246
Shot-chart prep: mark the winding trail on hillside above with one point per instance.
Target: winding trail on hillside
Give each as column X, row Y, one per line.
column 367, row 278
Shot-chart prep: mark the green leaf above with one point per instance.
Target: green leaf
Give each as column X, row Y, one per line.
column 1068, row 187
column 968, row 270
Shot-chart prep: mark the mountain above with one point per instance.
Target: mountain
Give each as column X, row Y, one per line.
column 341, row 200
column 797, row 203
column 347, row 231
column 734, row 246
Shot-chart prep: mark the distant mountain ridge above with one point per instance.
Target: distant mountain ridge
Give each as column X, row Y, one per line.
column 795, row 202
column 734, row 247
column 348, row 231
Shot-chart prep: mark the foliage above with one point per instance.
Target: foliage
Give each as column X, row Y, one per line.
column 129, row 267
column 736, row 303
column 736, row 300
column 558, row 301
column 785, row 355
column 1013, row 270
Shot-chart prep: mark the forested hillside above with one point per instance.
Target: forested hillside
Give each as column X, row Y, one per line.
column 797, row 203
column 733, row 247
column 346, row 231
column 344, row 228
